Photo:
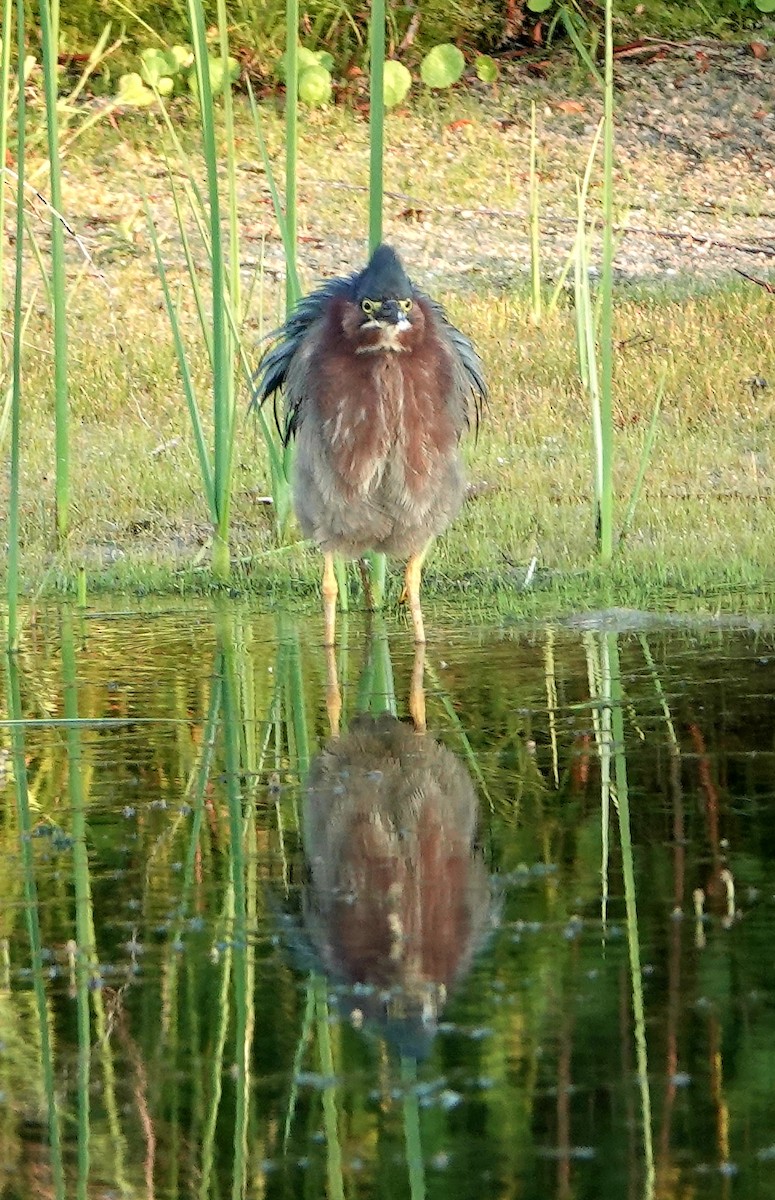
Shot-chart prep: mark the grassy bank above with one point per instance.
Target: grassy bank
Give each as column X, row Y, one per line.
column 706, row 516
column 704, row 531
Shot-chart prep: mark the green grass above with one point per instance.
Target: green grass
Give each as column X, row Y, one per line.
column 706, row 513
column 705, row 521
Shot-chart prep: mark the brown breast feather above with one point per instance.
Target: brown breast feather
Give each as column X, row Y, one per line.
column 376, row 403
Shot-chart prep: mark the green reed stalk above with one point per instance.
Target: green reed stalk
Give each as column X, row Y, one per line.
column 599, row 688
column 606, row 292
column 297, row 717
column 280, row 457
column 5, row 91
column 198, row 805
column 535, row 231
column 287, row 230
column 49, row 20
column 377, row 562
column 383, row 698
column 660, row 691
column 298, row 1058
column 586, row 337
column 85, row 966
column 469, row 754
column 376, row 120
column 231, row 732
column 291, row 150
column 31, row 911
column 252, row 761
column 610, row 649
column 223, row 377
column 550, row 678
column 330, row 1117
column 189, row 390
column 235, row 284
column 218, row 1029
column 16, row 386
column 412, row 1131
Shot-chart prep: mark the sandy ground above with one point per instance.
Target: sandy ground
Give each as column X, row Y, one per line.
column 695, row 178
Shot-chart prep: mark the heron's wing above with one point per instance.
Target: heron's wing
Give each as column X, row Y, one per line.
column 271, row 375
column 467, row 362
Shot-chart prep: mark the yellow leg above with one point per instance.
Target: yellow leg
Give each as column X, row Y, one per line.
column 333, row 694
column 417, row 691
column 411, row 592
column 330, row 593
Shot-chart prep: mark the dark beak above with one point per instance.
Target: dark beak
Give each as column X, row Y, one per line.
column 389, row 312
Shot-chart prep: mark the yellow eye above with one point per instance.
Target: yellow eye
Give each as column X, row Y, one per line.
column 368, row 306
column 405, row 305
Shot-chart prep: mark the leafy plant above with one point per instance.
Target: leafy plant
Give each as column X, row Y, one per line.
column 442, row 66
column 170, row 72
column 315, row 86
column 486, row 68
column 397, row 81
column 315, row 81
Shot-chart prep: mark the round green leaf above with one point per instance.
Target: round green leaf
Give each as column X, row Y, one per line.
column 539, row 6
column 182, row 56
column 767, row 6
column 486, row 68
column 315, row 86
column 397, row 82
column 325, row 59
column 153, row 65
column 218, row 74
column 304, row 57
column 131, row 90
column 442, row 66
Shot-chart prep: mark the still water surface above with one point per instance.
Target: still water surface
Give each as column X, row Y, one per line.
column 528, row 952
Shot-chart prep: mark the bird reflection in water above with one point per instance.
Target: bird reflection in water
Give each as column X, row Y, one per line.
column 398, row 894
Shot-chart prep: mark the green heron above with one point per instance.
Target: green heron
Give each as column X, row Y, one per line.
column 379, row 387
column 398, row 898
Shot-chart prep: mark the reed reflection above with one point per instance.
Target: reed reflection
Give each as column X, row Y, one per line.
column 398, row 894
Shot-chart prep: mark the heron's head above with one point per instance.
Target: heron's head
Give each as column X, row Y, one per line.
column 384, row 300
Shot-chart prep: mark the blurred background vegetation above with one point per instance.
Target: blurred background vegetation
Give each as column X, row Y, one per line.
column 414, row 26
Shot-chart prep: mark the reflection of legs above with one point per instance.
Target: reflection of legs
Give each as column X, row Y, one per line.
column 411, row 592
column 330, row 593
column 333, row 695
column 416, row 690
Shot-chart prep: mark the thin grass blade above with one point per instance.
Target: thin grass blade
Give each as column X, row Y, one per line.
column 287, row 233
column 32, row 914
column 291, row 150
column 223, row 392
column 376, row 120
column 606, row 293
column 189, row 391
column 49, row 47
column 645, row 455
column 610, row 651
column 5, row 89
column 569, row 24
column 535, row 229
column 16, row 384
